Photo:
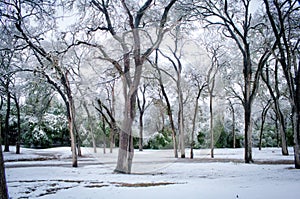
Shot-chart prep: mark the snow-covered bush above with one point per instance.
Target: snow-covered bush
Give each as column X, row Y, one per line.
column 160, row 140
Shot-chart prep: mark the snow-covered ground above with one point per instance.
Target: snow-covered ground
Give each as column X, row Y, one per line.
column 48, row 173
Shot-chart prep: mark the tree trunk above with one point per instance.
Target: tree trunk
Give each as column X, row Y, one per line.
column 93, row 140
column 73, row 141
column 104, row 135
column 112, row 138
column 126, row 150
column 247, row 110
column 141, row 131
column 248, row 99
column 279, row 115
column 212, row 144
column 263, row 119
column 181, row 119
column 233, row 125
column 18, row 126
column 169, row 110
column 78, row 141
column 173, row 132
column 70, row 115
column 113, row 131
column 296, row 118
column 7, row 116
column 3, row 185
column 248, row 134
column 193, row 130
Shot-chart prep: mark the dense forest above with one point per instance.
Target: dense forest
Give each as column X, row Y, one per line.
column 150, row 74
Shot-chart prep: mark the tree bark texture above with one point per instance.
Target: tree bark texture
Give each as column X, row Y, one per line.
column 126, row 150
column 7, row 116
column 286, row 56
column 18, row 150
column 181, row 116
column 247, row 115
column 141, row 126
column 211, row 128
column 233, row 124
column 296, row 118
column 3, row 185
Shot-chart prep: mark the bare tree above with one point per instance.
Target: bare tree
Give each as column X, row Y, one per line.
column 130, row 76
column 275, row 95
column 211, row 78
column 168, row 104
column 284, row 19
column 236, row 21
column 47, row 60
column 175, row 60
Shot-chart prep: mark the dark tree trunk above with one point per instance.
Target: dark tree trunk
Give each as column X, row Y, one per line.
column 7, row 116
column 275, row 98
column 104, row 135
column 283, row 29
column 169, row 110
column 263, row 119
column 233, row 124
column 18, row 126
column 3, row 185
column 212, row 143
column 141, row 131
column 296, row 118
column 142, row 108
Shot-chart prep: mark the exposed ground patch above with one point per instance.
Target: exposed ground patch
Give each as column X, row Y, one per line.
column 150, row 184
column 39, row 188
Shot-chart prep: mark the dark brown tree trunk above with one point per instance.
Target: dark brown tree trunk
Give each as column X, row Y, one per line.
column 141, row 126
column 233, row 124
column 296, row 118
column 169, row 110
column 263, row 119
column 193, row 130
column 211, row 130
column 283, row 29
column 3, row 185
column 7, row 116
column 18, row 126
column 181, row 116
column 275, row 98
column 114, row 130
column 104, row 135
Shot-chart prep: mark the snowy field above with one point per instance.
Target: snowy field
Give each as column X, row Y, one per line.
column 47, row 173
